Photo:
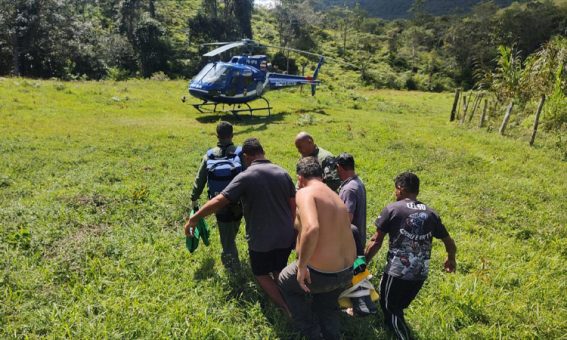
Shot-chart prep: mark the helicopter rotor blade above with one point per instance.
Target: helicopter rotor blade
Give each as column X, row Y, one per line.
column 295, row 50
column 216, row 43
column 224, row 48
column 251, row 43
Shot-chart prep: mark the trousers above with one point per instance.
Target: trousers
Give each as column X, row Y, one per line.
column 315, row 314
column 395, row 296
column 229, row 255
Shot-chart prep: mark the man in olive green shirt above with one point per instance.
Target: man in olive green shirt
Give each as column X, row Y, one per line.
column 306, row 146
column 228, row 218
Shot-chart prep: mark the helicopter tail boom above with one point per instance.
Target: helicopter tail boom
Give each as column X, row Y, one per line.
column 278, row 80
column 315, row 74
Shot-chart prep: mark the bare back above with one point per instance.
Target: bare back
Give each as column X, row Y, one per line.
column 335, row 249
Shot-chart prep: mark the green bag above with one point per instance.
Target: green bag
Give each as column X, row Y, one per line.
column 201, row 232
column 359, row 265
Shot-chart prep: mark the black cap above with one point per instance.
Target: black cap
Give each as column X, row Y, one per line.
column 224, row 130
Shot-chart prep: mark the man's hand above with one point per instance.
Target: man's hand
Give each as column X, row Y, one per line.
column 450, row 266
column 450, row 263
column 303, row 277
column 190, row 226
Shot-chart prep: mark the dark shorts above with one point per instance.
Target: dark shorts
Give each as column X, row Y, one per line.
column 264, row 263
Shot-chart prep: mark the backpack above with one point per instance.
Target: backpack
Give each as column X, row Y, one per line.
column 222, row 169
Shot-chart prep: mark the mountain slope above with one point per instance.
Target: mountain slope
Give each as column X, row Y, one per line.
column 400, row 8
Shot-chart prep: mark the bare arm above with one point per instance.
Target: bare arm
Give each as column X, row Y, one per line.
column 451, row 248
column 293, row 207
column 374, row 245
column 351, row 216
column 213, row 205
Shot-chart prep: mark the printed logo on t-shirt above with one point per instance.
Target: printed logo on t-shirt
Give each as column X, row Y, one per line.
column 418, row 206
column 410, row 249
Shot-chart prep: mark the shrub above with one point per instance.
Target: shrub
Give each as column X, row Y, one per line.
column 159, row 76
column 410, row 83
column 117, row 74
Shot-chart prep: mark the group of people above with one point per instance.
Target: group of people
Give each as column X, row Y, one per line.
column 323, row 218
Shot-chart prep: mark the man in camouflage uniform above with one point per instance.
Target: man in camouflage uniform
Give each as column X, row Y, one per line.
column 228, row 218
column 307, row 147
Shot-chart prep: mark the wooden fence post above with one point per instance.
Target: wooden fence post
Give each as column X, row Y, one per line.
column 462, row 104
column 465, row 107
column 482, row 117
column 476, row 103
column 455, row 102
column 536, row 120
column 506, row 118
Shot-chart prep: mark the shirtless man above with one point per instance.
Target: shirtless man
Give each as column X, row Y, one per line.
column 326, row 253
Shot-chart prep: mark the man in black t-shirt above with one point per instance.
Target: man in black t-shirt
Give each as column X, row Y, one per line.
column 411, row 226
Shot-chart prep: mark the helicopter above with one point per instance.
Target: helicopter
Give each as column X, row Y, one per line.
column 243, row 79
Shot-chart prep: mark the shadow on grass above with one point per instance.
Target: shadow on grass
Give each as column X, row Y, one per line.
column 206, row 270
column 245, row 291
column 356, row 327
column 317, row 111
column 242, row 119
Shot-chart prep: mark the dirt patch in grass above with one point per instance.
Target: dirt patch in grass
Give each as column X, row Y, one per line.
column 71, row 248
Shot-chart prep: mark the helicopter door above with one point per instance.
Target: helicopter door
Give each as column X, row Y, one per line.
column 235, row 86
column 248, row 80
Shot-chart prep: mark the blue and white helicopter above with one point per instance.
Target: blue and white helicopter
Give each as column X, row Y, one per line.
column 243, row 79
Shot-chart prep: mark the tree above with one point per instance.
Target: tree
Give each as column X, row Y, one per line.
column 545, row 73
column 506, row 77
column 36, row 36
column 152, row 49
column 471, row 42
column 243, row 14
column 233, row 24
column 528, row 26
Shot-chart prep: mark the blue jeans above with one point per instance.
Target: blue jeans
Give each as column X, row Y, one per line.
column 315, row 314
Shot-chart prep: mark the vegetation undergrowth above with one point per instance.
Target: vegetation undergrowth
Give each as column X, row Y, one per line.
column 94, row 188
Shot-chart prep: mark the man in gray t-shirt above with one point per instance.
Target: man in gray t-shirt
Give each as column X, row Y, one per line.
column 265, row 190
column 267, row 194
column 353, row 193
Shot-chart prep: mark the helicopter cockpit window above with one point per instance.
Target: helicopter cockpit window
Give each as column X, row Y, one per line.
column 218, row 73
column 204, row 71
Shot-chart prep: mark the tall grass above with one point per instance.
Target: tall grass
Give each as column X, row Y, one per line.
column 94, row 187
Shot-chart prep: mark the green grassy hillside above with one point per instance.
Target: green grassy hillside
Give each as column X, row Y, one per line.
column 401, row 8
column 94, row 188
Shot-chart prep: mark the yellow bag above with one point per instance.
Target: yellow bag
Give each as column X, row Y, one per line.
column 361, row 286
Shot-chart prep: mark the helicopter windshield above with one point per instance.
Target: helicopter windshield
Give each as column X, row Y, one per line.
column 212, row 73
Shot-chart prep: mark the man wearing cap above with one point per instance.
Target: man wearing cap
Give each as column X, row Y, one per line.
column 267, row 194
column 306, row 146
column 353, row 193
column 228, row 218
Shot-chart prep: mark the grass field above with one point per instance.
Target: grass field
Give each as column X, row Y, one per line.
column 94, row 187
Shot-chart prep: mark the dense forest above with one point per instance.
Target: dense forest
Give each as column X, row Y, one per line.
column 488, row 47
column 387, row 9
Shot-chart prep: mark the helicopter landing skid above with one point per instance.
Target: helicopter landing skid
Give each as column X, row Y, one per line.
column 234, row 109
